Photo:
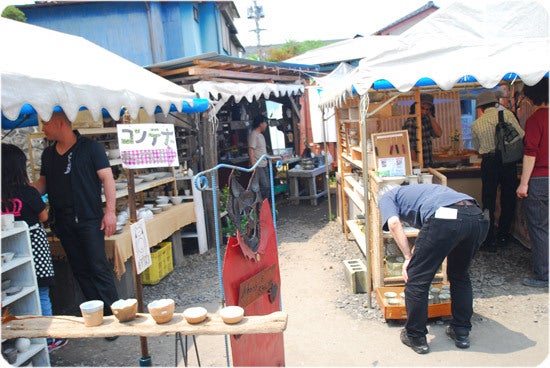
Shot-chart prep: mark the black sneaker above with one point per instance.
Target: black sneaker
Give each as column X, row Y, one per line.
column 418, row 344
column 529, row 281
column 461, row 341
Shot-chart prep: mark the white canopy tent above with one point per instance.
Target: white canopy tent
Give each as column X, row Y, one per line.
column 45, row 69
column 220, row 92
column 485, row 40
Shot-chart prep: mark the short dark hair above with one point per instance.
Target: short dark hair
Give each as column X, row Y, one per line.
column 537, row 93
column 257, row 121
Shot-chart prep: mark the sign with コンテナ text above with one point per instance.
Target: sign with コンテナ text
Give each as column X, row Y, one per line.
column 147, row 145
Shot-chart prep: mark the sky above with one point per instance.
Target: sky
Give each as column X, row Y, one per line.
column 302, row 20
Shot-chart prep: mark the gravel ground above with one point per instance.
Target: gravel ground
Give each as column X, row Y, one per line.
column 196, row 281
column 498, row 296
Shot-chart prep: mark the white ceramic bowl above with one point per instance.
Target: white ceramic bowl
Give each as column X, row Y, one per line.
column 195, row 314
column 162, row 200
column 145, row 214
column 148, row 177
column 176, row 199
column 394, row 179
column 164, row 206
column 232, row 314
column 156, row 210
column 121, row 185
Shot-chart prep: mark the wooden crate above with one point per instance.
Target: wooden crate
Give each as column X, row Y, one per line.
column 400, row 312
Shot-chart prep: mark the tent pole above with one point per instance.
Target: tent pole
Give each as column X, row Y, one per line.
column 418, row 113
column 363, row 106
column 327, row 171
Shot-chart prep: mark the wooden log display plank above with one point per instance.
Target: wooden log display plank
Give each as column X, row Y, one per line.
column 143, row 325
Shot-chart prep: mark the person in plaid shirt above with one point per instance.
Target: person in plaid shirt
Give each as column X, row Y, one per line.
column 430, row 129
column 494, row 173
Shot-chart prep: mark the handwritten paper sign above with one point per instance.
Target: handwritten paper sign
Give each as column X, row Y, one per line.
column 147, row 145
column 140, row 243
column 391, row 166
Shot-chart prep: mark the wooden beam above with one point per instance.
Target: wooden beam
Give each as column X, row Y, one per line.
column 168, row 72
column 239, row 75
column 144, row 325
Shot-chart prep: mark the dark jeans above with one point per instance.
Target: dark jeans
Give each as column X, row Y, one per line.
column 457, row 240
column 84, row 245
column 536, row 211
column 265, row 182
column 493, row 175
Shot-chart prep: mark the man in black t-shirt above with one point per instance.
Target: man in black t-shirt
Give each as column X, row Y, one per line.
column 73, row 170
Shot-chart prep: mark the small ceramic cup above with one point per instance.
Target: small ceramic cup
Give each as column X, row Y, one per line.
column 427, row 178
column 92, row 312
column 161, row 310
column 125, row 309
column 413, row 179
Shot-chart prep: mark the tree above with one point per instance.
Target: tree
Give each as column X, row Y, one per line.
column 293, row 48
column 11, row 12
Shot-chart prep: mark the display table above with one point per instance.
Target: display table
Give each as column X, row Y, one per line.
column 70, row 327
column 118, row 248
column 310, row 176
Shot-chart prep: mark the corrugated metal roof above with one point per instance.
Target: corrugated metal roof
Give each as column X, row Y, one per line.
column 212, row 56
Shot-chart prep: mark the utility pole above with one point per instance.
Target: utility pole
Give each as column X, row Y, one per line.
column 256, row 12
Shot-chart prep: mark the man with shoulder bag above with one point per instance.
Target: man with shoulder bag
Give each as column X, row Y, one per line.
column 495, row 173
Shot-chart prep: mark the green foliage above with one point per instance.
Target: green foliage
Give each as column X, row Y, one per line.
column 224, row 195
column 11, row 12
column 293, row 48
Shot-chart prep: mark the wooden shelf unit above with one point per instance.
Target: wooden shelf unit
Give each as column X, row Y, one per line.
column 350, row 167
column 377, row 236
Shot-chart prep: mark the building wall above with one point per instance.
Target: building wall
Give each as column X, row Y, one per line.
column 142, row 32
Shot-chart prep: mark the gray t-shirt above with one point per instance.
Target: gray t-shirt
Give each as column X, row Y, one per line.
column 414, row 204
column 256, row 141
